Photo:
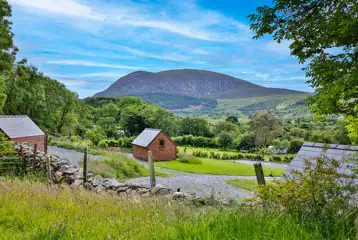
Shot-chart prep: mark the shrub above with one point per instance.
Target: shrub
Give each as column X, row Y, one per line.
column 295, row 146
column 190, row 160
column 225, row 140
column 277, row 158
column 320, row 194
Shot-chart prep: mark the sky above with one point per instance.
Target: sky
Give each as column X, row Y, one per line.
column 89, row 44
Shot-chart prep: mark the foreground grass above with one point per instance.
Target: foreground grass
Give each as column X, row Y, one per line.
column 247, row 184
column 33, row 211
column 218, row 167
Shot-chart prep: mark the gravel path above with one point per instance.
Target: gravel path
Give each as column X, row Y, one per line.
column 199, row 184
column 73, row 156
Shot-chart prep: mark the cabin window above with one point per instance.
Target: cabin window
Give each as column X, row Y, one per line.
column 161, row 143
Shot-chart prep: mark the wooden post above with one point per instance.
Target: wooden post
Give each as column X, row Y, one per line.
column 48, row 169
column 259, row 174
column 85, row 158
column 34, row 158
column 151, row 169
column 46, row 141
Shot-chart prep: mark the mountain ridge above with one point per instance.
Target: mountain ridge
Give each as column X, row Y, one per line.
column 188, row 82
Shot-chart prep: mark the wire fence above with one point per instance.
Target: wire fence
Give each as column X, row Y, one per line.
column 12, row 166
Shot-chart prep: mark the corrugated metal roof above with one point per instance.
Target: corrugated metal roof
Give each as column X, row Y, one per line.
column 146, row 137
column 15, row 126
column 311, row 151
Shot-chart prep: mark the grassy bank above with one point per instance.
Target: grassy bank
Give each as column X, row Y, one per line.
column 217, row 167
column 33, row 211
column 116, row 165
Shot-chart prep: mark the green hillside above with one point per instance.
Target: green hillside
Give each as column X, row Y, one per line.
column 173, row 102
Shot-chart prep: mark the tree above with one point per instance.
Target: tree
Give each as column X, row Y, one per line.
column 246, row 142
column 232, row 119
column 324, row 35
column 7, row 49
column 225, row 140
column 227, row 126
column 194, row 126
column 263, row 125
column 295, row 146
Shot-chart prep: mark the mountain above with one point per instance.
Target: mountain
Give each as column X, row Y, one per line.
column 187, row 82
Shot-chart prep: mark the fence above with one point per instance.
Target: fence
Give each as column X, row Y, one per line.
column 12, row 166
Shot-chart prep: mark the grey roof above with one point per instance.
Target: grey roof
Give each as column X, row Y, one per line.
column 146, row 137
column 15, row 126
column 311, row 151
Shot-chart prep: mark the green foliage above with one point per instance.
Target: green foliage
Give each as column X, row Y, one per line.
column 194, row 126
column 320, row 194
column 6, row 148
column 323, row 33
column 295, row 146
column 246, row 142
column 263, row 126
column 190, row 160
column 225, row 140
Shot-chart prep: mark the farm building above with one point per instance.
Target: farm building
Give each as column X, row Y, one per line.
column 311, row 151
column 20, row 128
column 155, row 140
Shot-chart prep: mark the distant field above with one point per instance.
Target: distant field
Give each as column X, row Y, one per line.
column 282, row 105
column 217, row 167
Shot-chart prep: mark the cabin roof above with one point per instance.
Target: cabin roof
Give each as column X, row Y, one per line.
column 311, row 151
column 16, row 126
column 146, row 137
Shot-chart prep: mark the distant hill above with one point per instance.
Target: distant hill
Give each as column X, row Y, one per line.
column 186, row 82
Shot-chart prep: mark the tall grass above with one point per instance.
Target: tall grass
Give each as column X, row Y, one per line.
column 31, row 210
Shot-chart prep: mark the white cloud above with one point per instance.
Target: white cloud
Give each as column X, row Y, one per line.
column 190, row 21
column 282, row 48
column 73, row 83
column 167, row 56
column 64, row 7
column 103, row 74
column 200, row 51
column 92, row 64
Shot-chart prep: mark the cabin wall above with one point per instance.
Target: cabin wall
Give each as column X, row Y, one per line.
column 39, row 140
column 167, row 152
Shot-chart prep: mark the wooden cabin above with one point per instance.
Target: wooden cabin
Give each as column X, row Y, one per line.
column 162, row 146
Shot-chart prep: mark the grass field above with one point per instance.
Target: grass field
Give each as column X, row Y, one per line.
column 247, row 184
column 217, row 167
column 34, row 211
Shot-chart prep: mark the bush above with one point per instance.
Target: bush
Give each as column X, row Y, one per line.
column 277, row 158
column 225, row 140
column 320, row 194
column 190, row 160
column 295, row 146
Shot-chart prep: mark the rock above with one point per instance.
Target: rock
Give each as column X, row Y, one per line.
column 77, row 183
column 64, row 167
column 58, row 176
column 142, row 190
column 157, row 188
column 72, row 170
column 180, row 195
column 112, row 183
column 97, row 181
column 164, row 191
column 88, row 185
column 122, row 189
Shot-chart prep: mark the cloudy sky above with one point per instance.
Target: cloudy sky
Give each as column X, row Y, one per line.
column 89, row 44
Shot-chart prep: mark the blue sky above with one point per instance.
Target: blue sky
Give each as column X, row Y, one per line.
column 89, row 44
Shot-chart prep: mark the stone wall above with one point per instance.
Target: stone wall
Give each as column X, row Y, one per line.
column 62, row 171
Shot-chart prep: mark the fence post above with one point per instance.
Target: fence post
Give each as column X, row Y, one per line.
column 46, row 141
column 259, row 174
column 34, row 158
column 85, row 158
column 48, row 169
column 151, row 169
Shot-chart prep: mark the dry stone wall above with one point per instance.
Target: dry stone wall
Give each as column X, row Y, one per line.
column 62, row 171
